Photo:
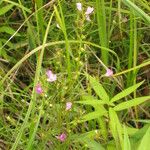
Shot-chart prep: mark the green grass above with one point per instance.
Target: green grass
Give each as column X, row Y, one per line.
column 108, row 113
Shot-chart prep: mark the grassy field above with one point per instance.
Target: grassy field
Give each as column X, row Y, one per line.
column 74, row 75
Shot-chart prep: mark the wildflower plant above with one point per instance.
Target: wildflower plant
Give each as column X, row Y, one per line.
column 94, row 96
column 114, row 105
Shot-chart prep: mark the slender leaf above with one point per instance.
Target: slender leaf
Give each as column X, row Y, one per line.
column 93, row 145
column 98, row 88
column 116, row 128
column 92, row 103
column 144, row 145
column 137, row 10
column 8, row 30
column 101, row 19
column 126, row 92
column 92, row 115
column 127, row 145
column 5, row 9
column 131, row 103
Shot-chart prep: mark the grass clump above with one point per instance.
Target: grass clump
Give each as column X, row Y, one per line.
column 74, row 75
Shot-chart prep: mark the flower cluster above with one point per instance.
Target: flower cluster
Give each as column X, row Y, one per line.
column 109, row 73
column 50, row 78
column 62, row 137
column 88, row 12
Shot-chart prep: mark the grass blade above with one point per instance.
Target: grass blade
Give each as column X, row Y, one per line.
column 5, row 9
column 144, row 145
column 126, row 92
column 99, row 90
column 131, row 103
column 127, row 145
column 137, row 10
column 101, row 19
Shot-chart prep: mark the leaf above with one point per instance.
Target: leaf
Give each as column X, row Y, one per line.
column 137, row 136
column 92, row 115
column 8, row 30
column 5, row 9
column 127, row 145
column 115, row 128
column 98, row 88
column 137, row 10
column 131, row 103
column 93, row 145
column 89, row 102
column 144, row 145
column 126, row 92
column 90, row 134
column 143, row 121
column 87, row 139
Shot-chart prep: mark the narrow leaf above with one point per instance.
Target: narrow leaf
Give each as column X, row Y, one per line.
column 93, row 145
column 126, row 92
column 92, row 103
column 5, row 9
column 92, row 115
column 8, row 30
column 144, row 145
column 137, row 10
column 116, row 128
column 131, row 103
column 98, row 88
column 127, row 145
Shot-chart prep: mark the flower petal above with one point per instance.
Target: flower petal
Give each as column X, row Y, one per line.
column 89, row 10
column 68, row 106
column 109, row 73
column 79, row 6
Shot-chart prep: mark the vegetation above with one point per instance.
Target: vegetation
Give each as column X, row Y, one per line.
column 74, row 74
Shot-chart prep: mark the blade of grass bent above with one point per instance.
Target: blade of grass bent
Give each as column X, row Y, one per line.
column 33, row 96
column 101, row 19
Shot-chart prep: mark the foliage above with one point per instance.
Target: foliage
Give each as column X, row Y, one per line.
column 74, row 74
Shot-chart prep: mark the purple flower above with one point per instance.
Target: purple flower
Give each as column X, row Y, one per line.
column 87, row 17
column 109, row 73
column 62, row 137
column 50, row 76
column 68, row 106
column 79, row 6
column 89, row 10
column 38, row 89
column 58, row 26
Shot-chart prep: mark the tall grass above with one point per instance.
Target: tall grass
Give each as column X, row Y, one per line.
column 101, row 19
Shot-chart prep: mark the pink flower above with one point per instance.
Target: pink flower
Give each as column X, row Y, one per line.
column 62, row 137
column 38, row 89
column 79, row 6
column 109, row 73
column 68, row 106
column 89, row 10
column 87, row 17
column 50, row 76
column 58, row 26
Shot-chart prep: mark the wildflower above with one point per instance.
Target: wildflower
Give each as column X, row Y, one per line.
column 58, row 26
column 79, row 6
column 88, row 12
column 50, row 76
column 87, row 17
column 62, row 137
column 38, row 89
column 68, row 106
column 109, row 73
